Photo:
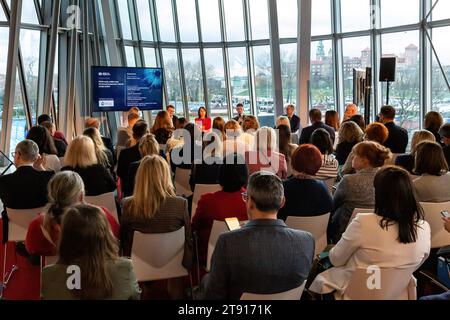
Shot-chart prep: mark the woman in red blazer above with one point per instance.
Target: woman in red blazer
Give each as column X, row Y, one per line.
column 219, row 205
column 66, row 189
column 203, row 122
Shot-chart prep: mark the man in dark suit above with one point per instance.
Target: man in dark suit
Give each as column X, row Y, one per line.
column 94, row 123
column 315, row 116
column 398, row 136
column 131, row 154
column 444, row 132
column 293, row 118
column 171, row 110
column 26, row 188
column 264, row 256
column 240, row 111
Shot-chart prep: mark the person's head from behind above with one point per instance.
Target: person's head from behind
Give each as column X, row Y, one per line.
column 350, row 132
column 250, row 123
column 350, row 110
column 315, row 115
column 240, row 109
column 43, row 139
column 50, row 126
column 219, row 124
column 132, row 119
column 43, row 118
column 26, row 153
column 444, row 132
column 139, row 129
column 332, row 119
column 359, row 120
column 233, row 175
column 65, row 189
column 421, row 136
column 181, row 123
column 148, row 145
column 134, row 110
column 306, row 160
column 162, row 121
column 232, row 129
column 322, row 140
column 94, row 134
column 290, row 110
column 202, row 113
column 377, row 132
column 87, row 241
column 149, row 193
column 283, row 120
column 81, row 153
column 430, row 159
column 369, row 154
column 171, row 110
column 387, row 114
column 265, row 195
column 265, row 140
column 92, row 123
column 395, row 202
column 433, row 121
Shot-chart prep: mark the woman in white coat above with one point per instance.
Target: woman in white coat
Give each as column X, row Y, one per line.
column 395, row 236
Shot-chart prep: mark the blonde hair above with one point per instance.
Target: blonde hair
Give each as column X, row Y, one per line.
column 152, row 187
column 148, row 145
column 283, row 120
column 162, row 121
column 350, row 132
column 421, row 136
column 265, row 139
column 100, row 149
column 81, row 153
column 250, row 122
column 232, row 125
column 374, row 152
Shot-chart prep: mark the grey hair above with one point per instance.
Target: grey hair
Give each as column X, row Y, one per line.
column 28, row 150
column 266, row 190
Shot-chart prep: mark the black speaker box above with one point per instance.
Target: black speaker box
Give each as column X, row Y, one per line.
column 387, row 69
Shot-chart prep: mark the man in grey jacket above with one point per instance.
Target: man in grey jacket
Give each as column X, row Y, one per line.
column 264, row 256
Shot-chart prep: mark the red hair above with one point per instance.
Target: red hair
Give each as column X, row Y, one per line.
column 307, row 159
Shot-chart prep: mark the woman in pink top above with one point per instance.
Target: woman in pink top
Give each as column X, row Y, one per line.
column 265, row 157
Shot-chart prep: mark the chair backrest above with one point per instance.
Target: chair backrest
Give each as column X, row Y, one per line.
column 381, row 284
column 157, row 256
column 432, row 212
column 19, row 220
column 294, row 294
column 217, row 229
column 360, row 210
column 317, row 226
column 201, row 189
column 106, row 200
column 182, row 187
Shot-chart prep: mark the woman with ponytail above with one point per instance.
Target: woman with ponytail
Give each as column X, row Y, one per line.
column 65, row 190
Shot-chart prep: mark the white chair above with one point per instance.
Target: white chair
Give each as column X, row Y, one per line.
column 182, row 186
column 432, row 212
column 157, row 256
column 394, row 284
column 317, row 226
column 201, row 189
column 106, row 200
column 217, row 229
column 19, row 220
column 294, row 294
column 360, row 210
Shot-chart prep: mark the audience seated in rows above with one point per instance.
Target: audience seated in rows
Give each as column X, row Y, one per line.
column 315, row 117
column 406, row 161
column 60, row 145
column 444, row 132
column 304, row 194
column 285, row 146
column 154, row 208
column 433, row 122
column 264, row 156
column 94, row 123
column 87, row 242
column 398, row 136
column 329, row 169
column 65, row 190
column 434, row 181
column 356, row 190
column 25, row 188
column 264, row 256
column 350, row 134
column 394, row 236
column 81, row 158
column 104, row 155
column 47, row 148
column 226, row 203
column 375, row 131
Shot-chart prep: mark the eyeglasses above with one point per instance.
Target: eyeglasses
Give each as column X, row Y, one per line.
column 13, row 154
column 244, row 196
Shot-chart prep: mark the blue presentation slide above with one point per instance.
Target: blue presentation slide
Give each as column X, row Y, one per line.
column 119, row 89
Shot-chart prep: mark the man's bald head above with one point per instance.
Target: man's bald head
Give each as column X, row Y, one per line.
column 350, row 110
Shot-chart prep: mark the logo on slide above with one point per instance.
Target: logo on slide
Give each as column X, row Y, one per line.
column 106, row 103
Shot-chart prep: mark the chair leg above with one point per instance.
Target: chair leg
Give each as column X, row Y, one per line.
column 4, row 262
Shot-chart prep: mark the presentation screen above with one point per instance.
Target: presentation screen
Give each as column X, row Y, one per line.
column 121, row 88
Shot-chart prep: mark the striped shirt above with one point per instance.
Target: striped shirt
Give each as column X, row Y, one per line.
column 329, row 168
